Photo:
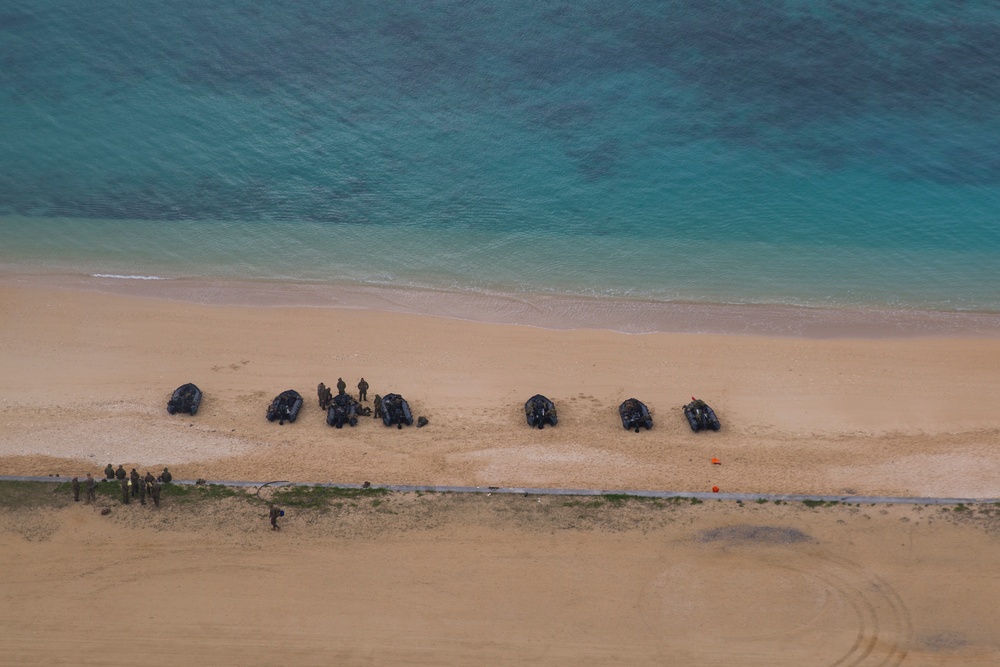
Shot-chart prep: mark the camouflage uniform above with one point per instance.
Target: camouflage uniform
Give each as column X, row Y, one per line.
column 274, row 514
column 166, row 476
column 91, row 488
column 109, row 472
column 134, row 476
column 76, row 489
column 120, row 473
column 362, row 390
column 155, row 492
column 125, row 483
column 341, row 386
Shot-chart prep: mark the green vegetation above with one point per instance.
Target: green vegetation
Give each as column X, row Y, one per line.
column 820, row 503
column 189, row 494
column 33, row 494
column 321, row 497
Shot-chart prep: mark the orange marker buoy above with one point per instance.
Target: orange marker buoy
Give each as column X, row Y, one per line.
column 715, row 489
column 716, row 462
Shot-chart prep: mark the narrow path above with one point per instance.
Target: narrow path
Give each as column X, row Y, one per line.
column 527, row 491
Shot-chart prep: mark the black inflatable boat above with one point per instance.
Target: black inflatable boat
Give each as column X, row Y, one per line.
column 343, row 410
column 395, row 410
column 634, row 414
column 700, row 416
column 186, row 398
column 540, row 411
column 285, row 407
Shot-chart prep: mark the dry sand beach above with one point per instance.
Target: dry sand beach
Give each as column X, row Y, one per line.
column 418, row 580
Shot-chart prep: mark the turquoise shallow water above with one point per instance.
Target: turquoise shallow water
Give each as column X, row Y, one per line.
column 797, row 153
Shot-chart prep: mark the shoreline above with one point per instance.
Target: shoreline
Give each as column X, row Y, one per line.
column 544, row 311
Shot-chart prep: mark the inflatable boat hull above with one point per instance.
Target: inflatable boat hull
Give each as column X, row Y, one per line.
column 634, row 414
column 701, row 417
column 343, row 410
column 285, row 407
column 186, row 398
column 539, row 411
column 395, row 411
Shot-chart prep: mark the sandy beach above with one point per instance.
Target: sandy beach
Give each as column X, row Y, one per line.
column 87, row 377
column 453, row 580
column 85, row 381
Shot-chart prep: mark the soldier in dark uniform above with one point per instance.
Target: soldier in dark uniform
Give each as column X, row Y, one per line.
column 325, row 396
column 274, row 514
column 91, row 488
column 124, row 483
column 362, row 390
column 142, row 491
column 155, row 492
column 134, row 476
column 378, row 407
column 148, row 479
column 76, row 489
column 120, row 473
column 166, row 476
column 341, row 386
column 109, row 472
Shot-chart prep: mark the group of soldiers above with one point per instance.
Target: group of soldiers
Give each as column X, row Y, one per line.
column 133, row 484
column 91, row 484
column 326, row 396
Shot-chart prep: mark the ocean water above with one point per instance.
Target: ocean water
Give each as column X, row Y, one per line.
column 838, row 154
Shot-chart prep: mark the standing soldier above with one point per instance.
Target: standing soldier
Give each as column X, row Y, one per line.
column 148, row 479
column 362, row 390
column 166, row 476
column 341, row 386
column 142, row 491
column 124, row 481
column 134, row 478
column 378, row 407
column 76, row 489
column 155, row 492
column 120, row 473
column 91, row 488
column 274, row 514
column 109, row 472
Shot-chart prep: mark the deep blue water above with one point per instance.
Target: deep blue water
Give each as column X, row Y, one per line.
column 841, row 153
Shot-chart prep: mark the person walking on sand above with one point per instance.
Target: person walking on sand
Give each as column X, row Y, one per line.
column 362, row 390
column 120, row 473
column 109, row 472
column 91, row 488
column 341, row 386
column 274, row 514
column 76, row 489
column 155, row 492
